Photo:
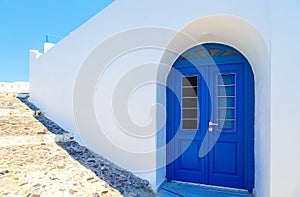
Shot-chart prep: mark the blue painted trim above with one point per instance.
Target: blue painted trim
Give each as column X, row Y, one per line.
column 249, row 127
column 182, row 62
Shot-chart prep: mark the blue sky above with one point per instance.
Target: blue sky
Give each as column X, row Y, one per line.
column 25, row 24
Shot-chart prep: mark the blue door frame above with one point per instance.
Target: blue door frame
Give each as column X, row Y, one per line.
column 211, row 83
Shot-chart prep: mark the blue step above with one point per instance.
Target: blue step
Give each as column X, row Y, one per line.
column 180, row 189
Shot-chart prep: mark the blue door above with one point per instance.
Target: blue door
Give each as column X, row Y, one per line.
column 210, row 118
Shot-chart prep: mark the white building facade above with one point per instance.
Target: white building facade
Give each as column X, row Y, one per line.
column 107, row 83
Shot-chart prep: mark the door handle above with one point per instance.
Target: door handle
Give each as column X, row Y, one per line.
column 212, row 124
column 210, row 129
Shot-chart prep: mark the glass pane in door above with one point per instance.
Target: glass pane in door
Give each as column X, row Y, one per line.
column 189, row 108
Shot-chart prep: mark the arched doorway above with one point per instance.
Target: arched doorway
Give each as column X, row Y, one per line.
column 210, row 118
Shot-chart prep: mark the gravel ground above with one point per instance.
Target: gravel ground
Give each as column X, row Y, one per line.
column 47, row 168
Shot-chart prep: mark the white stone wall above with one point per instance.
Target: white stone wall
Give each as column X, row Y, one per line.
column 245, row 25
column 14, row 87
column 48, row 46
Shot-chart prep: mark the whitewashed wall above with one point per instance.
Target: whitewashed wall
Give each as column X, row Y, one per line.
column 14, row 87
column 54, row 76
column 285, row 130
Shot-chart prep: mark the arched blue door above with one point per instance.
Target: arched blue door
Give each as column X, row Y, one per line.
column 210, row 120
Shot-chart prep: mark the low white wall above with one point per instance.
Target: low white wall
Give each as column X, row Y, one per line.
column 66, row 81
column 48, row 46
column 17, row 87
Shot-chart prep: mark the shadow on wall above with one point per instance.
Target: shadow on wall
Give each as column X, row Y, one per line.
column 118, row 178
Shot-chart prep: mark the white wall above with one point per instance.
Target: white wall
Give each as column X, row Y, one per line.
column 48, row 46
column 244, row 37
column 67, row 81
column 14, row 87
column 285, row 156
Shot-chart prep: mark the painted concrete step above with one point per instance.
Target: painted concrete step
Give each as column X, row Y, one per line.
column 47, row 170
column 29, row 130
column 180, row 189
column 8, row 141
column 14, row 112
column 21, row 126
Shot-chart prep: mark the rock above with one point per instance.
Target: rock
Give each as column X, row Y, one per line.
column 72, row 191
column 23, row 184
column 53, row 178
column 91, row 178
column 95, row 195
column 4, row 172
column 104, row 193
column 37, row 185
column 35, row 195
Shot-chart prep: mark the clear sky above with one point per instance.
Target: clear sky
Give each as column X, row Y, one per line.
column 25, row 24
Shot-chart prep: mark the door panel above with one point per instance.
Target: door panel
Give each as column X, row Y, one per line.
column 190, row 133
column 186, row 162
column 226, row 158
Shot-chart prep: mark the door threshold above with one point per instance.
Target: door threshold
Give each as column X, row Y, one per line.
column 180, row 188
column 212, row 186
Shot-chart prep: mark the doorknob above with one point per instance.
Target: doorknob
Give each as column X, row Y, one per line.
column 212, row 124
